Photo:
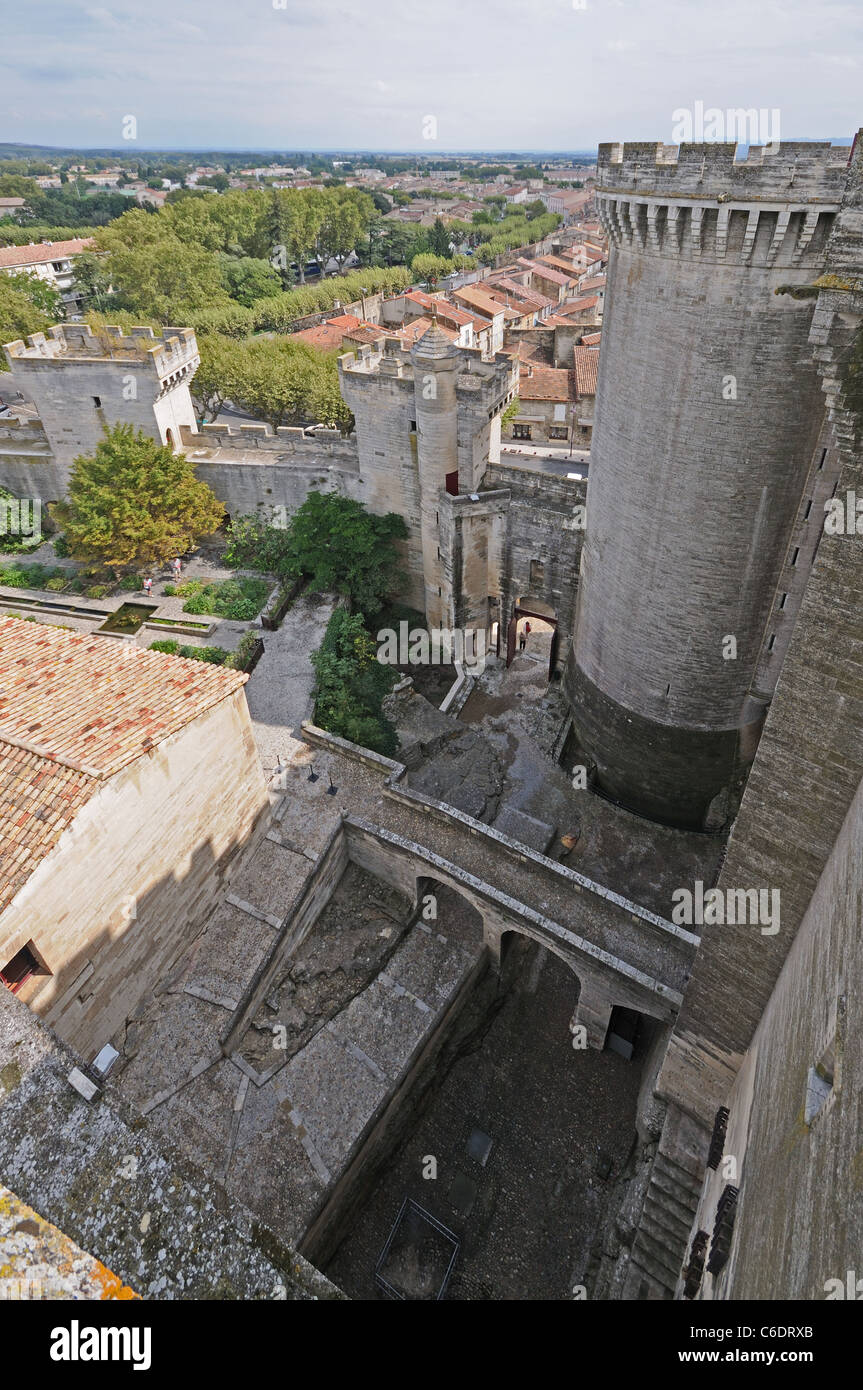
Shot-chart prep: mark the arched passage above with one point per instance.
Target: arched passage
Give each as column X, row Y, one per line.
column 533, row 629
column 449, row 912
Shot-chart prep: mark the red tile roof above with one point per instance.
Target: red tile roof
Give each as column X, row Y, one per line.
column 39, row 799
column 445, row 310
column 591, row 339
column 596, row 283
column 93, row 704
column 547, row 272
column 12, row 256
column 330, row 334
column 545, row 384
column 520, row 293
column 586, row 367
column 577, row 306
column 74, row 709
column 478, row 299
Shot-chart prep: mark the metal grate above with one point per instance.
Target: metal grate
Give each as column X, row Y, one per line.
column 417, row 1261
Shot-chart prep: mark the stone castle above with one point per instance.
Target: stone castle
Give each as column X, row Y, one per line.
column 709, row 639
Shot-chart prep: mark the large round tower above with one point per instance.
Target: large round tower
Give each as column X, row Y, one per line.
column 436, row 363
column 707, row 415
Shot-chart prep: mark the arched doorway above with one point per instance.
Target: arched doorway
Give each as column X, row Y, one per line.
column 169, row 439
column 542, row 619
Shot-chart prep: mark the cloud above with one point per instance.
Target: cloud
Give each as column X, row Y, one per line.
column 319, row 73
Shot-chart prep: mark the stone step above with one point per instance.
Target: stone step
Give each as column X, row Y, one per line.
column 665, row 1248
column 678, row 1225
column 645, row 1262
column 679, row 1179
column 665, row 1190
column 652, row 1256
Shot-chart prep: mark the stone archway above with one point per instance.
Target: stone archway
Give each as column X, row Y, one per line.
column 542, row 618
column 446, row 911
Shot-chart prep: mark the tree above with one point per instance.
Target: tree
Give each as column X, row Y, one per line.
column 431, row 268
column 345, row 220
column 248, row 279
column 215, row 379
column 41, row 294
column 14, row 186
column 91, row 279
column 134, row 503
column 273, row 380
column 299, row 217
column 439, row 240
column 345, row 549
column 19, row 315
column 156, row 274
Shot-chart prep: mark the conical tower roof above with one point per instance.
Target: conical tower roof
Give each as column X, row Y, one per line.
column 434, row 345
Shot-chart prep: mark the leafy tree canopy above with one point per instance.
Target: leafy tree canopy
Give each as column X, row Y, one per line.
column 134, row 503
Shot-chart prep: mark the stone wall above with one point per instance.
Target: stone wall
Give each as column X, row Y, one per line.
column 799, row 1219
column 162, row 833
column 705, row 368
column 163, row 1228
column 320, row 886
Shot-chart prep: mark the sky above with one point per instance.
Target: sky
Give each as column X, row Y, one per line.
column 491, row 74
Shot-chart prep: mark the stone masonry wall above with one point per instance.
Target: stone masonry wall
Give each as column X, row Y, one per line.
column 132, row 879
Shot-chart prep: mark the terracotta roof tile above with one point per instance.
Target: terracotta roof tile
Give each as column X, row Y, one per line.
column 545, row 384
column 12, row 256
column 586, row 367
column 94, row 704
column 39, row 799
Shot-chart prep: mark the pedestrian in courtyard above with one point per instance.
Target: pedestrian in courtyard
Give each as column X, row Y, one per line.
column 177, row 567
column 148, row 587
column 525, row 633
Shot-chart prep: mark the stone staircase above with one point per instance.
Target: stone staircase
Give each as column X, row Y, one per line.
column 662, row 1239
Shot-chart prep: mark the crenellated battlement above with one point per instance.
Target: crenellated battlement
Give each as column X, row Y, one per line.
column 791, row 170
column 173, row 351
column 286, row 440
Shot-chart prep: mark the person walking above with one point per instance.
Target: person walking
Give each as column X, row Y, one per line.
column 525, row 633
column 148, row 587
column 177, row 568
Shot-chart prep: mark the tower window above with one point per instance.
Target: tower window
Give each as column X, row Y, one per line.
column 795, row 555
column 808, row 510
column 783, row 600
column 771, row 643
column 823, row 457
column 819, row 1083
column 97, row 401
column 23, row 965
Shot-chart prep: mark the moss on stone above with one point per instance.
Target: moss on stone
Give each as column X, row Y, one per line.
column 10, row 1076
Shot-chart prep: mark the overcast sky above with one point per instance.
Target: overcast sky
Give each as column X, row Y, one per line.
column 328, row 74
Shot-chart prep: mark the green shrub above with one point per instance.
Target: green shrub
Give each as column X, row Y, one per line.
column 57, row 584
column 350, row 684
column 96, row 591
column 61, row 547
column 240, row 659
column 130, row 583
column 240, row 599
column 214, row 656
